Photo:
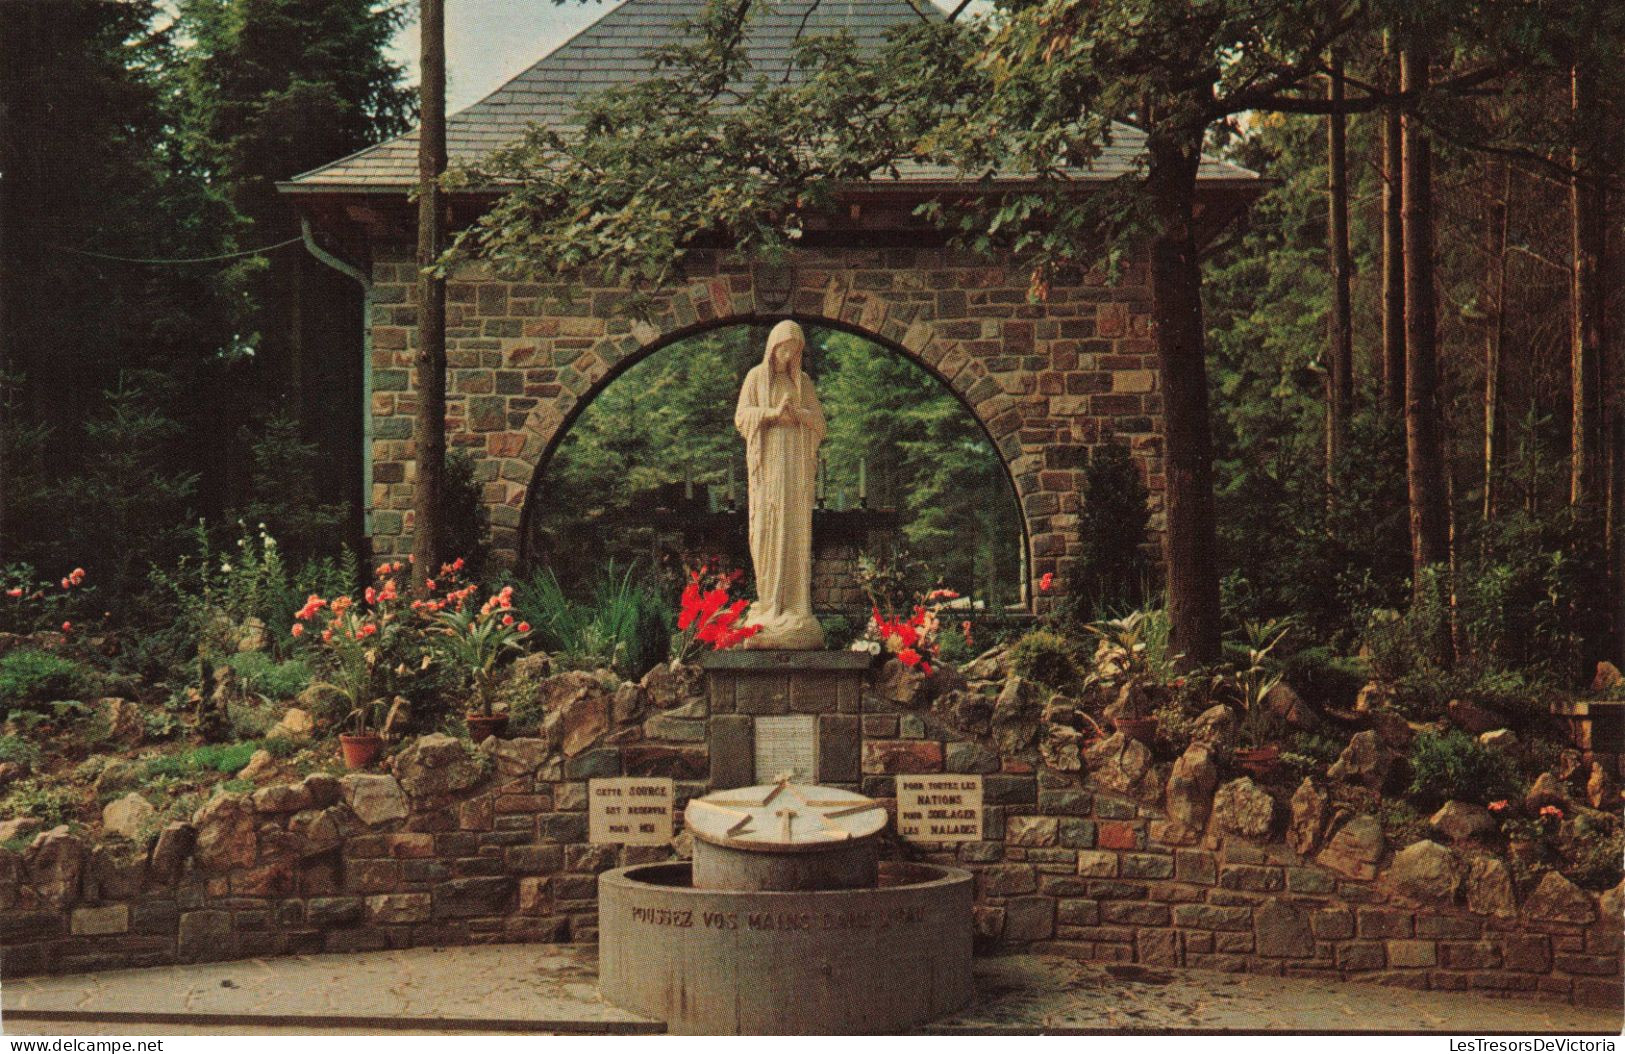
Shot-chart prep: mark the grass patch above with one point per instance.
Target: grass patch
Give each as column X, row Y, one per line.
column 224, row 758
column 18, row 749
column 35, row 676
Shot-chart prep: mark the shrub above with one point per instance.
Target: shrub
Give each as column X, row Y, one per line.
column 30, row 676
column 1598, row 861
column 1046, row 657
column 224, row 758
column 260, row 674
column 625, row 623
column 32, row 797
column 19, row 750
column 1111, row 573
column 1454, row 765
column 1320, row 676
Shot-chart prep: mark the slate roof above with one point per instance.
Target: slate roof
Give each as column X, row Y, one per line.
column 613, row 50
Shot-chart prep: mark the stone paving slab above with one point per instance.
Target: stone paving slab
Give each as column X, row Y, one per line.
column 551, row 989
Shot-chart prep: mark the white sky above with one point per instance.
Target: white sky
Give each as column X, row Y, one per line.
column 489, row 42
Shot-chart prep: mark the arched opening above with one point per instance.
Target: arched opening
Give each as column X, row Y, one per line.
column 647, row 467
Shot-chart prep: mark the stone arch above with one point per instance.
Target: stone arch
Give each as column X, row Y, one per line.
column 906, row 330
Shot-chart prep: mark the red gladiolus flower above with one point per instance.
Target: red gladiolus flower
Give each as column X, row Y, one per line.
column 925, row 668
column 908, row 657
column 1046, row 581
column 298, row 629
column 1498, row 806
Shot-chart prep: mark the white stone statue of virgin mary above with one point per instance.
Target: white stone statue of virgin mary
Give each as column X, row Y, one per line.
column 783, row 424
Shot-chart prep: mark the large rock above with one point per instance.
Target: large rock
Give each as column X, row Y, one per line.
column 1121, row 764
column 170, row 851
column 1613, row 903
column 296, row 724
column 673, row 684
column 1489, row 888
column 901, row 685
column 124, row 724
column 630, row 703
column 435, row 765
column 11, row 878
column 1016, row 715
column 1309, row 809
column 516, row 757
column 1216, row 726
column 127, row 816
column 20, row 827
column 1425, row 871
column 261, row 765
column 1557, row 899
column 56, row 863
column 583, row 705
column 1061, row 748
column 1393, row 731
column 318, row 830
column 1462, row 821
column 1243, row 807
column 1364, row 761
column 116, row 777
column 1190, row 787
column 374, row 799
column 1355, row 849
column 1291, row 709
column 1546, row 791
column 117, row 871
column 225, row 833
column 969, row 712
column 1471, row 718
column 1601, row 791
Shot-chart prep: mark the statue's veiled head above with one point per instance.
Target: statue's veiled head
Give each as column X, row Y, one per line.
column 785, row 344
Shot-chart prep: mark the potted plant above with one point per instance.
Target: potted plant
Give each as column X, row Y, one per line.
column 358, row 639
column 473, row 641
column 1259, row 753
column 1122, row 664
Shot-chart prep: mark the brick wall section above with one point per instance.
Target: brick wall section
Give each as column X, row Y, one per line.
column 500, row 854
column 1047, row 380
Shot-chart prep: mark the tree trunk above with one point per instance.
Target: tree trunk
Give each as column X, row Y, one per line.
column 1424, row 439
column 1589, row 237
column 1495, row 329
column 1340, row 378
column 1393, row 255
column 429, row 433
column 1176, row 303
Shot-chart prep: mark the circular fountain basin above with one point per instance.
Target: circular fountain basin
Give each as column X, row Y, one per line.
column 873, row 961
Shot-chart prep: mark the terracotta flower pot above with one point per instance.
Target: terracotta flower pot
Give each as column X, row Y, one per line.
column 360, row 751
column 482, row 727
column 1259, row 761
column 1142, row 728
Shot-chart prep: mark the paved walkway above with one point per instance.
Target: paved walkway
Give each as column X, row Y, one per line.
column 551, row 989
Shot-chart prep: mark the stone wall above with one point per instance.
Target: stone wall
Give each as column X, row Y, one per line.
column 1048, row 381
column 1090, row 850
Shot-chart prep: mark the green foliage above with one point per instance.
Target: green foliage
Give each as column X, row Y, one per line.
column 50, row 804
column 470, row 642
column 283, row 497
column 33, row 677
column 1323, row 677
column 259, row 673
column 225, row 758
column 465, row 523
column 1048, row 658
column 1599, row 861
column 1453, row 765
column 625, row 621
column 1111, row 573
column 18, row 750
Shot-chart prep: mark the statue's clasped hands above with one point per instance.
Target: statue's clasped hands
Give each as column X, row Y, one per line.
column 785, row 414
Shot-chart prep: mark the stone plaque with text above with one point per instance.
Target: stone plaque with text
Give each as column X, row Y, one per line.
column 939, row 808
column 630, row 810
column 787, row 744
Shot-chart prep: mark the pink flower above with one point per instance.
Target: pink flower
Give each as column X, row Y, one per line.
column 1498, row 806
column 14, row 592
column 1046, row 581
column 507, row 620
column 67, row 627
column 524, row 627
column 298, row 629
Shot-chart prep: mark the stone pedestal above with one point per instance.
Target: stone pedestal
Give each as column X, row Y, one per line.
column 811, row 695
